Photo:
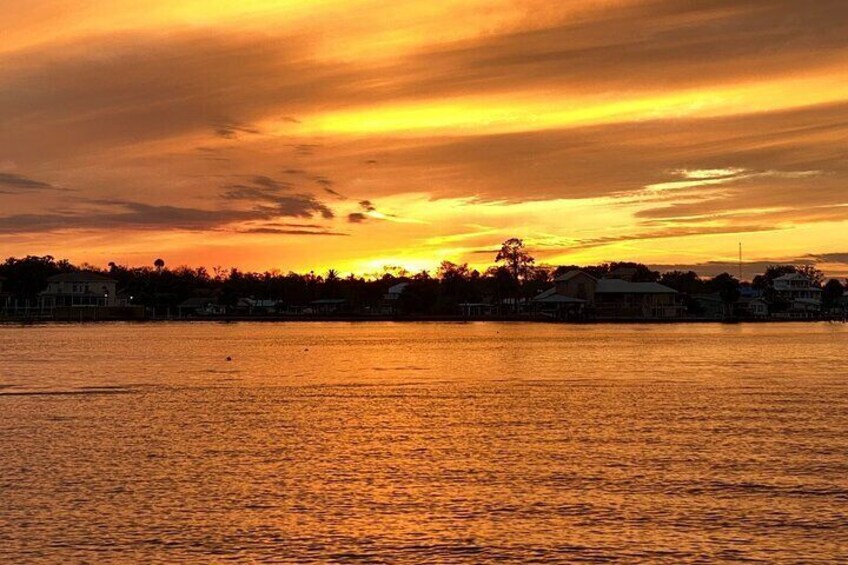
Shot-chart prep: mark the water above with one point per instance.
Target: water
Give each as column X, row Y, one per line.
column 423, row 443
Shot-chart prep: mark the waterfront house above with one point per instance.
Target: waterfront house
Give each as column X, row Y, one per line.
column 390, row 304
column 475, row 309
column 756, row 308
column 708, row 306
column 82, row 288
column 200, row 306
column 617, row 298
column 559, row 306
column 327, row 306
column 576, row 284
column 802, row 298
column 613, row 298
column 260, row 306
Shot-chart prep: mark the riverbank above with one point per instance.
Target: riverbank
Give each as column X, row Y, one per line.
column 403, row 319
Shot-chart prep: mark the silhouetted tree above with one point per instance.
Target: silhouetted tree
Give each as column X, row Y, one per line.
column 812, row 273
column 831, row 293
column 516, row 259
column 764, row 281
column 27, row 277
column 517, row 262
column 728, row 289
column 687, row 283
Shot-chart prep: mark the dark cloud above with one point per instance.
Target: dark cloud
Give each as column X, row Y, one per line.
column 360, row 217
column 326, row 185
column 838, row 265
column 280, row 231
column 114, row 214
column 273, row 197
column 297, row 205
column 829, row 258
column 11, row 183
column 120, row 214
column 231, row 130
column 335, row 193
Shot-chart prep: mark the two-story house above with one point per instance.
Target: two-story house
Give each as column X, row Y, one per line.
column 803, row 297
column 79, row 289
column 611, row 298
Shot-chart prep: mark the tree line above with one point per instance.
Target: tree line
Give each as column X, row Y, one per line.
column 513, row 276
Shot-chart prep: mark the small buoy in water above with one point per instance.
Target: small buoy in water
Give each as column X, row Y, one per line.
column 229, row 358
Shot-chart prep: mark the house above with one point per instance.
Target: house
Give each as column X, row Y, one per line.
column 328, row 306
column 200, row 306
column 81, row 288
column 576, row 284
column 391, row 299
column 802, row 297
column 475, row 309
column 708, row 306
column 618, row 298
column 614, row 298
column 256, row 306
column 559, row 306
column 757, row 308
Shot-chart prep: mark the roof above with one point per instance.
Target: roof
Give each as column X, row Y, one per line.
column 197, row 302
column 263, row 302
column 559, row 299
column 398, row 288
column 567, row 276
column 551, row 297
column 80, row 276
column 619, row 286
column 790, row 277
column 545, row 293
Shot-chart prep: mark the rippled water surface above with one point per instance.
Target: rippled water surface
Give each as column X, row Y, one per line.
column 423, row 443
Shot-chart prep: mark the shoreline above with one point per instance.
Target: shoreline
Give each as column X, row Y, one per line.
column 411, row 319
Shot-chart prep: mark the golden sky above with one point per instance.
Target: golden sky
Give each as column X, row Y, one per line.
column 357, row 134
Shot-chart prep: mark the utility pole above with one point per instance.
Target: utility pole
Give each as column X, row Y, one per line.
column 740, row 261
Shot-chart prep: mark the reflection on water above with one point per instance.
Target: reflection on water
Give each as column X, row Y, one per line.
column 423, row 443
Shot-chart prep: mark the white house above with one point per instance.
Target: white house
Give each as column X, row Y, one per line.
column 389, row 304
column 804, row 298
column 79, row 289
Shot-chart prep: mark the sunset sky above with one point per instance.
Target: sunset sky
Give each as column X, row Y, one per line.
column 355, row 134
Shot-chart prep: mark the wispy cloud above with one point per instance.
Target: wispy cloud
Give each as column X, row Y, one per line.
column 11, row 183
